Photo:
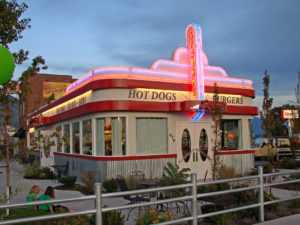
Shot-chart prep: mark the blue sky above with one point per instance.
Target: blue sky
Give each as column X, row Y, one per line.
column 244, row 37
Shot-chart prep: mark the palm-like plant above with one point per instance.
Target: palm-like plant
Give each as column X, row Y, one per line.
column 172, row 175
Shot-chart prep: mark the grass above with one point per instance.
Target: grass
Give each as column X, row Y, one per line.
column 24, row 212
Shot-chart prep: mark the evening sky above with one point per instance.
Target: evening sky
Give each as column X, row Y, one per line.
column 244, row 37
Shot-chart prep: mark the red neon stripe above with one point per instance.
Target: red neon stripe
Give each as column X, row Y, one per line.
column 122, row 83
column 233, row 152
column 117, row 158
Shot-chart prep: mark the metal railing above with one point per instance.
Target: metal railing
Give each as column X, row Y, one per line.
column 193, row 197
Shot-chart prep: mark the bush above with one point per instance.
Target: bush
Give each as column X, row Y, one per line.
column 213, row 188
column 295, row 203
column 111, row 185
column 88, row 179
column 68, row 181
column 270, row 197
column 33, row 172
column 288, row 164
column 151, row 216
column 228, row 172
column 110, row 218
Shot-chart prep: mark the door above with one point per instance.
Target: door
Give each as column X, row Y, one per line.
column 193, row 140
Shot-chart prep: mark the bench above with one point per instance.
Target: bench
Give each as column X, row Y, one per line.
column 61, row 170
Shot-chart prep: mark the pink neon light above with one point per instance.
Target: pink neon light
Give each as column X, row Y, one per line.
column 177, row 70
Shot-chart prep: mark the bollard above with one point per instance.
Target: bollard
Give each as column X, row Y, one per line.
column 261, row 194
column 194, row 200
column 98, row 203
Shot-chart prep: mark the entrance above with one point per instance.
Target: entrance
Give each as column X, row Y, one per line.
column 193, row 146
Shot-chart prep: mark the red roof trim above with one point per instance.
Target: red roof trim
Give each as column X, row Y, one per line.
column 117, row 158
column 103, row 106
column 122, row 83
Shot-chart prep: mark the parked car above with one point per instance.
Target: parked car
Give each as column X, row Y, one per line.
column 277, row 148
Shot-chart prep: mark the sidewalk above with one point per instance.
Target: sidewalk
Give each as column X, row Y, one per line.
column 24, row 185
column 17, row 181
column 288, row 220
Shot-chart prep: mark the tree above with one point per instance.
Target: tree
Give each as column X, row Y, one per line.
column 11, row 28
column 266, row 115
column 217, row 116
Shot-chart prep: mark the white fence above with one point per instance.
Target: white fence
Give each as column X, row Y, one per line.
column 192, row 197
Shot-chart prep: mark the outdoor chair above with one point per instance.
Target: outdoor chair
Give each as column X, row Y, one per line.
column 132, row 198
column 61, row 170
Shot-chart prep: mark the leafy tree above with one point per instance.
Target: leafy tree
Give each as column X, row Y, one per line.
column 11, row 27
column 266, row 115
column 217, row 116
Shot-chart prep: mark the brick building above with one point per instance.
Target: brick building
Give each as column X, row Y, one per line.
column 41, row 87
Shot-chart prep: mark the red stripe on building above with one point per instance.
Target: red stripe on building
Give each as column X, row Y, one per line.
column 233, row 152
column 103, row 106
column 122, row 83
column 117, row 158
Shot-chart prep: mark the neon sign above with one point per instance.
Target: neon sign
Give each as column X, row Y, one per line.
column 188, row 65
column 194, row 45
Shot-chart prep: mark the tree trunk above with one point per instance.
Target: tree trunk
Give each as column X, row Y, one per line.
column 7, row 155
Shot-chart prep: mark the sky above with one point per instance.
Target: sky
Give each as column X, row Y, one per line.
column 244, row 37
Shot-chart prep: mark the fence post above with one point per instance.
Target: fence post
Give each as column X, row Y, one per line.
column 261, row 194
column 98, row 204
column 194, row 195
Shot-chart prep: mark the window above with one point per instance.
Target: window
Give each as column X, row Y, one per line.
column 58, row 139
column 66, row 138
column 87, row 137
column 110, row 136
column 151, row 136
column 203, row 145
column 31, row 139
column 186, row 145
column 251, row 141
column 76, row 138
column 231, row 134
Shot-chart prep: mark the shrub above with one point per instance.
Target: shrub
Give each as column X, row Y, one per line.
column 88, row 179
column 270, row 197
column 111, row 185
column 288, row 164
column 295, row 203
column 213, row 188
column 110, row 218
column 151, row 217
column 33, row 172
column 228, row 172
column 68, row 181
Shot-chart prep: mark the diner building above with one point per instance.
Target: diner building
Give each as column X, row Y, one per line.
column 115, row 120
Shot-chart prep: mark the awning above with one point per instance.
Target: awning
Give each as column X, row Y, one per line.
column 20, row 133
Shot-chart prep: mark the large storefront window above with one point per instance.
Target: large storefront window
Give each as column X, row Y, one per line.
column 87, row 137
column 110, row 136
column 66, row 138
column 231, row 134
column 151, row 136
column 75, row 138
column 58, row 139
